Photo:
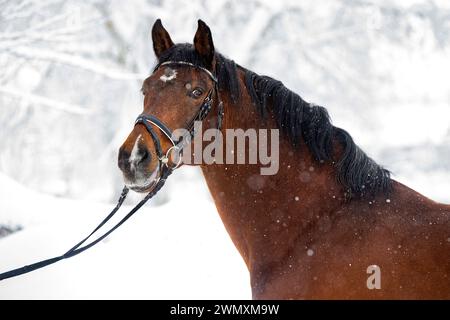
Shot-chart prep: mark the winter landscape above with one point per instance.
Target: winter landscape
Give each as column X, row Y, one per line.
column 69, row 93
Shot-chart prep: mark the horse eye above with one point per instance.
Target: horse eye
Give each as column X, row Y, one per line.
column 197, row 92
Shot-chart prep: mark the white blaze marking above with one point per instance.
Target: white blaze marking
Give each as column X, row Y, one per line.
column 134, row 152
column 169, row 75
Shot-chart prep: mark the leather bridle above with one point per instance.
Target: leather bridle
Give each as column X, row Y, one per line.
column 150, row 122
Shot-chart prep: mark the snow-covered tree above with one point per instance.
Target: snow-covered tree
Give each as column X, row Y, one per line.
column 71, row 73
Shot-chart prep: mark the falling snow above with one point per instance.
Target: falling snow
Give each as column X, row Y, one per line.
column 101, row 101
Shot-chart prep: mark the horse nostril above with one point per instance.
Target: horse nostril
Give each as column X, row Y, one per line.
column 144, row 156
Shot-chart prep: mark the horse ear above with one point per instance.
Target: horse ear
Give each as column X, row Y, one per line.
column 161, row 38
column 203, row 43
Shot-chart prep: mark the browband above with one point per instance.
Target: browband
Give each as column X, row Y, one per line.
column 184, row 63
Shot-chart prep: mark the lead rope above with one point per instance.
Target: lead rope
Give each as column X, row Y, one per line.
column 77, row 249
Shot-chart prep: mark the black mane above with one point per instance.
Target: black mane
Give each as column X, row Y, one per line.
column 299, row 120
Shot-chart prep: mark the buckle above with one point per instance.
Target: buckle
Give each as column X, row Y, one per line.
column 165, row 159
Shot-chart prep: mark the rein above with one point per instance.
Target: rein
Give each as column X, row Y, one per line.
column 165, row 170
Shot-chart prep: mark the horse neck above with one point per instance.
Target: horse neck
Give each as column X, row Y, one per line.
column 266, row 214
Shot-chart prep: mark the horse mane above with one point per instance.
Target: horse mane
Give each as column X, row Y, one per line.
column 299, row 121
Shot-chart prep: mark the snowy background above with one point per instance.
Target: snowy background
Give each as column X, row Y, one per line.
column 69, row 92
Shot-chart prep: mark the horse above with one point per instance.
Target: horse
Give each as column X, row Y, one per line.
column 330, row 224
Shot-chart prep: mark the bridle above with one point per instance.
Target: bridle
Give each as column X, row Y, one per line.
column 165, row 168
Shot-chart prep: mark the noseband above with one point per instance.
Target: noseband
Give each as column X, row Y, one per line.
column 149, row 121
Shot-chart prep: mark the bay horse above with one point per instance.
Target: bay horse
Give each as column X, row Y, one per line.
column 330, row 224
